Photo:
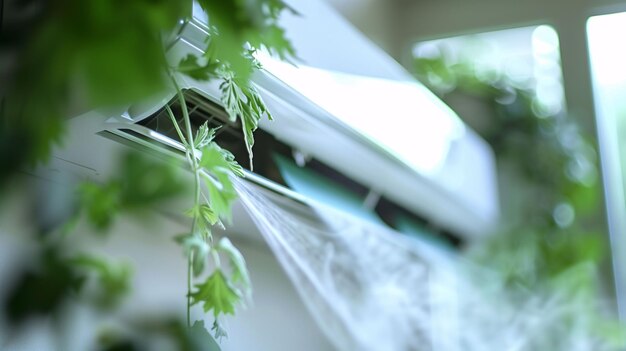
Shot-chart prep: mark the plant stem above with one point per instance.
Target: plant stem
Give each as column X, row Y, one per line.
column 175, row 123
column 191, row 156
column 189, row 273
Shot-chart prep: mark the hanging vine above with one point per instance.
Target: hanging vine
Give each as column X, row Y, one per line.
column 214, row 166
column 115, row 52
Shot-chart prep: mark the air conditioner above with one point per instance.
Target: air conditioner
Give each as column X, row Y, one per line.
column 352, row 108
column 345, row 112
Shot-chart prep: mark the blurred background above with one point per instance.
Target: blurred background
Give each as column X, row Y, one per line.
column 543, row 83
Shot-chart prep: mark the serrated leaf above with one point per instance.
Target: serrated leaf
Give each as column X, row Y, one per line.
column 275, row 7
column 244, row 102
column 190, row 66
column 201, row 136
column 237, row 261
column 220, row 166
column 205, row 213
column 204, row 136
column 231, row 96
column 274, row 40
column 209, row 216
column 221, row 194
column 217, row 160
column 216, row 295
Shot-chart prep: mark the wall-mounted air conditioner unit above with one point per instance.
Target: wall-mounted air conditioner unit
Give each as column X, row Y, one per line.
column 353, row 109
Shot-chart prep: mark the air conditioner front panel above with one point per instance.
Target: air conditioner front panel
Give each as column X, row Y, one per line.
column 457, row 193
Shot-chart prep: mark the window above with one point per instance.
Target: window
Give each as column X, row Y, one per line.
column 608, row 66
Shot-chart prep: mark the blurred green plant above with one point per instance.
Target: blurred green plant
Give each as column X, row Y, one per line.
column 69, row 56
column 141, row 183
column 66, row 57
column 547, row 167
column 551, row 239
column 544, row 148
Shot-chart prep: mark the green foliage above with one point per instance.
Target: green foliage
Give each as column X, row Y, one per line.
column 238, row 23
column 216, row 294
column 204, row 136
column 100, row 53
column 205, row 212
column 217, row 166
column 142, row 182
column 545, row 165
column 553, row 161
column 190, row 66
column 535, row 153
column 244, row 101
column 220, row 166
column 237, row 26
column 75, row 56
column 238, row 264
column 195, row 247
column 237, row 29
column 101, row 202
column 113, row 280
column 42, row 290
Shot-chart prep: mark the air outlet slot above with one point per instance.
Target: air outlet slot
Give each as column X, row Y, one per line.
column 201, row 110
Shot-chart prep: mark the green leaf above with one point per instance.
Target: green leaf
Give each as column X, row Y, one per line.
column 244, row 102
column 204, row 212
column 238, row 263
column 197, row 247
column 274, row 40
column 141, row 181
column 113, row 279
column 189, row 65
column 216, row 294
column 209, row 216
column 220, row 165
column 40, row 290
column 148, row 181
column 221, row 194
column 101, row 202
column 217, row 160
column 204, row 136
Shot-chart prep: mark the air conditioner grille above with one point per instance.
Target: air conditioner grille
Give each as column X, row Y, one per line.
column 201, row 110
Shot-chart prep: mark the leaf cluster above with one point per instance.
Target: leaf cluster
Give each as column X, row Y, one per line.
column 112, row 280
column 52, row 280
column 548, row 150
column 237, row 29
column 221, row 291
column 239, row 24
column 142, row 182
column 72, row 56
column 65, row 57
